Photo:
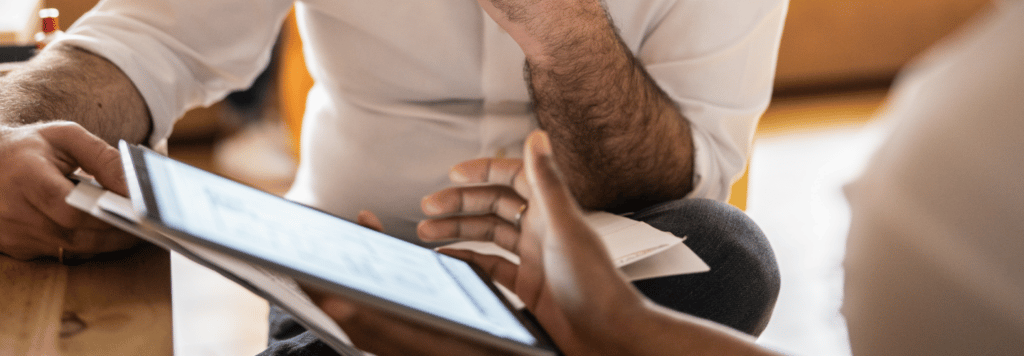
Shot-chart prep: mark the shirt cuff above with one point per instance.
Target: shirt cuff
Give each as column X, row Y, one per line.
column 708, row 178
column 118, row 53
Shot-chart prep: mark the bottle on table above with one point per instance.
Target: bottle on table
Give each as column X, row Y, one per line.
column 51, row 27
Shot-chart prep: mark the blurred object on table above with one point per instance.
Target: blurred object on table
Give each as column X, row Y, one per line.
column 50, row 29
column 19, row 22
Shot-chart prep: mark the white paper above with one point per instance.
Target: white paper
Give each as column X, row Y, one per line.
column 629, row 242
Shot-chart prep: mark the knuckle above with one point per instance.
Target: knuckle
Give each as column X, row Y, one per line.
column 62, row 129
column 24, row 177
column 42, row 195
column 16, row 150
column 109, row 157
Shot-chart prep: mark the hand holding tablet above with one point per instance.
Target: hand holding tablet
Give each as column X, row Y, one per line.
column 393, row 276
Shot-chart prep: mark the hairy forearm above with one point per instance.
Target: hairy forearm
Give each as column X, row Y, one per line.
column 66, row 83
column 622, row 143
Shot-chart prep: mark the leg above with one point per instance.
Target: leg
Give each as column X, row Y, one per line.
column 741, row 289
column 288, row 337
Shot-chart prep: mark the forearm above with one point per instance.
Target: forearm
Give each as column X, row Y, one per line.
column 622, row 143
column 66, row 83
column 660, row 331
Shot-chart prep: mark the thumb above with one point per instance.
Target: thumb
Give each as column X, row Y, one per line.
column 583, row 281
column 546, row 184
column 560, row 224
column 80, row 148
column 549, row 194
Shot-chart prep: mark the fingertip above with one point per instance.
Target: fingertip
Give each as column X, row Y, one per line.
column 539, row 142
column 432, row 231
column 110, row 171
column 369, row 220
column 472, row 171
column 456, row 253
column 429, row 205
column 457, row 174
column 422, row 231
column 339, row 310
column 542, row 171
column 537, row 147
column 442, row 202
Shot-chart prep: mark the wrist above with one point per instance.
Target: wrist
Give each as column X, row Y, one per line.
column 551, row 30
column 572, row 49
column 571, row 40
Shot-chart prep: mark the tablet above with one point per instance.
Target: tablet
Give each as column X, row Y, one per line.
column 319, row 249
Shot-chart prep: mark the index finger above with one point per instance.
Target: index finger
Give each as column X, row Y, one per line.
column 505, row 171
column 80, row 148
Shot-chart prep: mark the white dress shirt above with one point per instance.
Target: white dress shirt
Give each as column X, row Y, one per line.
column 406, row 89
column 934, row 259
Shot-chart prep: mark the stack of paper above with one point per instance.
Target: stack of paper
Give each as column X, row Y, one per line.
column 638, row 249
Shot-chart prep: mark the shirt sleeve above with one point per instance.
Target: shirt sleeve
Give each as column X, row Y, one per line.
column 716, row 60
column 181, row 54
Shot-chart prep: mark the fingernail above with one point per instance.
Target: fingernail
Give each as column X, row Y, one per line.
column 545, row 143
column 455, row 175
column 426, row 231
column 540, row 142
column 341, row 310
column 430, row 206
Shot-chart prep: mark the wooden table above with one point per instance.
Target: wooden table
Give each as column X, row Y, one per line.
column 114, row 306
column 118, row 306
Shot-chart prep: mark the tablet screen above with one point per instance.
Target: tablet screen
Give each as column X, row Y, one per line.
column 328, row 249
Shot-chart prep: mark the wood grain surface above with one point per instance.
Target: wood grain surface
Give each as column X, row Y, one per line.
column 114, row 306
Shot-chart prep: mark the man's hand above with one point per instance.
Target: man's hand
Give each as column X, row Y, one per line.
column 36, row 153
column 568, row 282
column 34, row 219
column 564, row 277
column 484, row 205
column 578, row 302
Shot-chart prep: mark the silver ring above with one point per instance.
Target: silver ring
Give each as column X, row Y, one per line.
column 519, row 216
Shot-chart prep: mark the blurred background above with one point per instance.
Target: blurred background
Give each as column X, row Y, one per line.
column 837, row 61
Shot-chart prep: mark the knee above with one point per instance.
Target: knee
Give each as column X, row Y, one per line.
column 701, row 217
column 712, row 226
column 743, row 284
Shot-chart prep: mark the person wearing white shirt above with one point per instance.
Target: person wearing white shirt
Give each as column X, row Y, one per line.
column 933, row 262
column 647, row 102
